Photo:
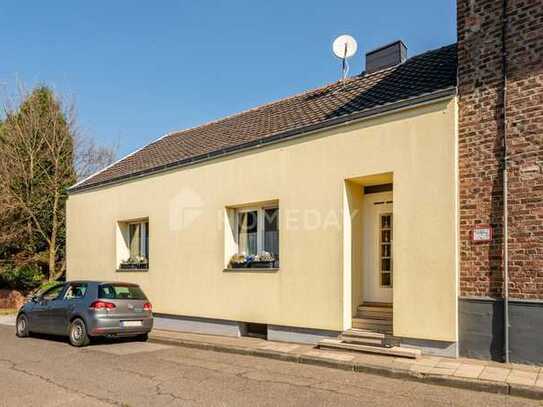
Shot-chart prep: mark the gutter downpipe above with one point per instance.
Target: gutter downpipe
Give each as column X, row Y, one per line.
column 505, row 187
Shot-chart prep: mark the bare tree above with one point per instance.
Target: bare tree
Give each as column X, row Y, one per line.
column 42, row 155
column 37, row 146
column 91, row 157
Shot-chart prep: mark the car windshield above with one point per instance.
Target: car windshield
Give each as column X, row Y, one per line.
column 120, row 292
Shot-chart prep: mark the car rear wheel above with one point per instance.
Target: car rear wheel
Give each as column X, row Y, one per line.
column 78, row 333
column 21, row 326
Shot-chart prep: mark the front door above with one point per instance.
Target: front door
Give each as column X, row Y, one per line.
column 61, row 309
column 56, row 316
column 377, row 254
column 39, row 315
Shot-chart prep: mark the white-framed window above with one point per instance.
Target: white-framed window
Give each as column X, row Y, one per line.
column 133, row 245
column 256, row 234
column 138, row 238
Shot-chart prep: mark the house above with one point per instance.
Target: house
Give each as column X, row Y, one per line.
column 373, row 203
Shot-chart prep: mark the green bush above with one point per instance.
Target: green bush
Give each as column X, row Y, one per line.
column 23, row 278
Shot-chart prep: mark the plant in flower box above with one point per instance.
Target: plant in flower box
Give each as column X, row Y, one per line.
column 238, row 261
column 138, row 262
column 263, row 260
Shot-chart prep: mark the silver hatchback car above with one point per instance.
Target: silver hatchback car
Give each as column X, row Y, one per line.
column 85, row 309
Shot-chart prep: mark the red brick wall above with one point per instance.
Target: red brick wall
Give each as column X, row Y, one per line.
column 480, row 144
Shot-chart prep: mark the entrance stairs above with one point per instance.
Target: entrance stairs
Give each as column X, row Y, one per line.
column 371, row 333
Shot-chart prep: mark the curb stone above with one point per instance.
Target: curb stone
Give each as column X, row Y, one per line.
column 393, row 373
column 405, row 374
column 323, row 362
column 468, row 384
column 277, row 355
column 518, row 390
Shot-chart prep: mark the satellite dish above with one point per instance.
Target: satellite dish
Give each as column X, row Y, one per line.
column 344, row 46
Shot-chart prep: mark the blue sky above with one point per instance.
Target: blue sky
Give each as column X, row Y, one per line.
column 138, row 69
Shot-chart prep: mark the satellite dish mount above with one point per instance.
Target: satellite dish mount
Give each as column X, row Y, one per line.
column 344, row 47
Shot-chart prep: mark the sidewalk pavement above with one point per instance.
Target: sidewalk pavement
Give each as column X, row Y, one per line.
column 8, row 319
column 513, row 379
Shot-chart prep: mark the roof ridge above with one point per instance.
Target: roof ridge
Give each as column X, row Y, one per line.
column 296, row 95
column 267, row 104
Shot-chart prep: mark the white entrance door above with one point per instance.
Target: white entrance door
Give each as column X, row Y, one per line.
column 378, row 256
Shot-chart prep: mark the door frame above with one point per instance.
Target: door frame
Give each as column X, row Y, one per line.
column 371, row 274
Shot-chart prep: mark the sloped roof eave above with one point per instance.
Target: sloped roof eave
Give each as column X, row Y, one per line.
column 366, row 94
column 390, row 108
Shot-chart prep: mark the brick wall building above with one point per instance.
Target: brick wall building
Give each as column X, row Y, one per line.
column 482, row 125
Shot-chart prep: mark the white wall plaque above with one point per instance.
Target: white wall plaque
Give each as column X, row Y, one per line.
column 481, row 233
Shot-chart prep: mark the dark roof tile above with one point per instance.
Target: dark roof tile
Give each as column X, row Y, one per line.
column 420, row 75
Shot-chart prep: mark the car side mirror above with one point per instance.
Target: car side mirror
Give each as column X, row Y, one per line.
column 35, row 298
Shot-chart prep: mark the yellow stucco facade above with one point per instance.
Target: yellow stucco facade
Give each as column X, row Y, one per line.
column 317, row 181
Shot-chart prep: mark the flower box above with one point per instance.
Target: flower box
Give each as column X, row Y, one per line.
column 262, row 264
column 238, row 265
column 134, row 266
column 264, row 260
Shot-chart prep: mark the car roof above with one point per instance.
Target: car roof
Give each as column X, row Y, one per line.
column 99, row 282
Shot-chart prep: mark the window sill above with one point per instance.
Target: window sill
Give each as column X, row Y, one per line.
column 251, row 270
column 119, row 270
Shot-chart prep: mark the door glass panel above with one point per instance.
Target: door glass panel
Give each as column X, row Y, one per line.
column 385, row 265
column 385, row 279
column 385, row 236
column 385, row 222
column 386, row 250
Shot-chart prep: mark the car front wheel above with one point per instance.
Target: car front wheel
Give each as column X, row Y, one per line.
column 78, row 333
column 21, row 326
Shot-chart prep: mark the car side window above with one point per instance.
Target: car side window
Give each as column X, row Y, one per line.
column 75, row 291
column 52, row 293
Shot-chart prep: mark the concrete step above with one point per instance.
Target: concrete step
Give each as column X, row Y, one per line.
column 384, row 330
column 379, row 306
column 369, row 338
column 378, row 325
column 380, row 329
column 361, row 333
column 379, row 350
column 362, row 341
column 380, row 322
column 374, row 310
column 374, row 315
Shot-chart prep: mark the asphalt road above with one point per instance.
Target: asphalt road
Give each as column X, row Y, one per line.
column 49, row 372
